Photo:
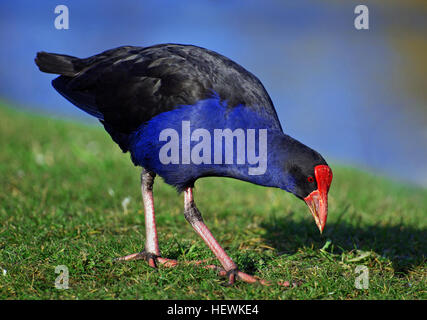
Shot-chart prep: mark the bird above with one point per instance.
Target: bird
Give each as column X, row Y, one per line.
column 184, row 112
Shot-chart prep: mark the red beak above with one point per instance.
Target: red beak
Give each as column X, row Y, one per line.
column 317, row 201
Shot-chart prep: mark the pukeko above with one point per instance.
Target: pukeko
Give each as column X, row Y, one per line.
column 172, row 106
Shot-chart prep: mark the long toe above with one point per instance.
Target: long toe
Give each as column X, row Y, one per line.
column 154, row 260
column 151, row 258
column 133, row 256
column 236, row 274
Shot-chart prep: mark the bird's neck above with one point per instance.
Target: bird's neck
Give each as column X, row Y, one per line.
column 280, row 152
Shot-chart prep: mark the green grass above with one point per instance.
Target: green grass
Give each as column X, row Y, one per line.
column 61, row 190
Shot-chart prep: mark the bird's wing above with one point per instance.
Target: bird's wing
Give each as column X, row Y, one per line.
column 127, row 86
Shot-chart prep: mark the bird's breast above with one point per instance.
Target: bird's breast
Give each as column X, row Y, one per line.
column 205, row 139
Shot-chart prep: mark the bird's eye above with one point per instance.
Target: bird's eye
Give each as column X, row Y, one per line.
column 310, row 179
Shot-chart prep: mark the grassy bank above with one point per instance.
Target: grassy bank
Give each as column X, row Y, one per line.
column 62, row 191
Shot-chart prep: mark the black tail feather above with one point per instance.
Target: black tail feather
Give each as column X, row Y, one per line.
column 57, row 63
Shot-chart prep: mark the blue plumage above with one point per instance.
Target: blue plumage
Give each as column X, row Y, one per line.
column 209, row 114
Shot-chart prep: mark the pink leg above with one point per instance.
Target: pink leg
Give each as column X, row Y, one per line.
column 193, row 216
column 152, row 251
column 151, row 243
column 203, row 231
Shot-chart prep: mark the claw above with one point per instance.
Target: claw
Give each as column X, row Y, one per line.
column 232, row 276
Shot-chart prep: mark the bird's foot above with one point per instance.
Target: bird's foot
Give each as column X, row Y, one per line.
column 232, row 275
column 235, row 274
column 151, row 258
column 155, row 260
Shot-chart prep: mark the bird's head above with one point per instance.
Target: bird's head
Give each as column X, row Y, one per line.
column 309, row 178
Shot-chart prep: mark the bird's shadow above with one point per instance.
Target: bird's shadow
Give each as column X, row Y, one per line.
column 405, row 246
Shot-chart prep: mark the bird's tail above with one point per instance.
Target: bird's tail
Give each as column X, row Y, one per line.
column 58, row 63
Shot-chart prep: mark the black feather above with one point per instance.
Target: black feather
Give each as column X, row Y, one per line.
column 57, row 63
column 127, row 86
